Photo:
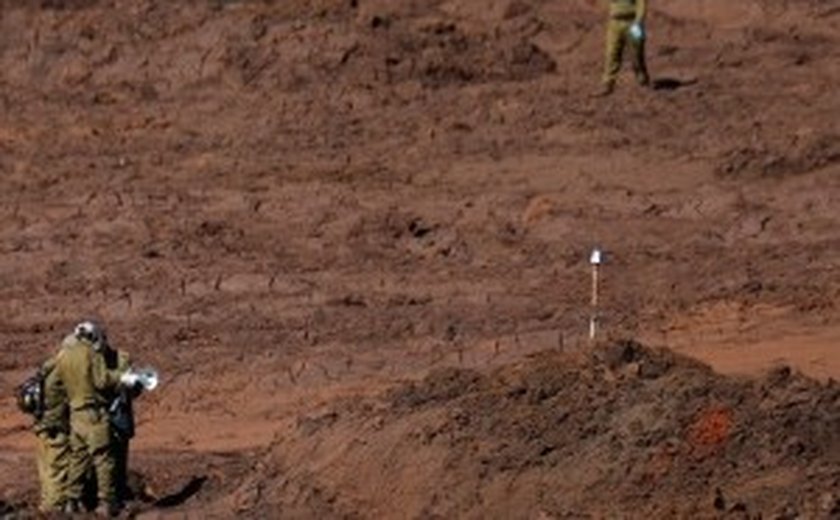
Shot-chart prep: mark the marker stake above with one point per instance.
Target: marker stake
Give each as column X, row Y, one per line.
column 595, row 260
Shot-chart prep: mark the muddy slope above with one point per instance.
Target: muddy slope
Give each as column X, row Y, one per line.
column 622, row 431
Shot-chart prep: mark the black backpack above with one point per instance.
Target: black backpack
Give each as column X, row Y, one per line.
column 30, row 395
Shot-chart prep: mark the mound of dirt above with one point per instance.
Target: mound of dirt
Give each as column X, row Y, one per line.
column 623, row 428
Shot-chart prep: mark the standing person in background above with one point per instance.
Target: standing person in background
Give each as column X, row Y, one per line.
column 625, row 27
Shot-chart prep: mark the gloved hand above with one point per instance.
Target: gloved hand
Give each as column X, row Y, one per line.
column 129, row 379
column 637, row 30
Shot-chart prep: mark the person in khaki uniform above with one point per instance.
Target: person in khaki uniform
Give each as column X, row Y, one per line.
column 625, row 28
column 83, row 373
column 52, row 439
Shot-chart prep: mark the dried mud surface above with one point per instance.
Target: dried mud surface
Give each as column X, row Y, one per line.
column 352, row 235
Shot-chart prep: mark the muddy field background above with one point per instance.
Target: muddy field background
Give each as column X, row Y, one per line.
column 293, row 208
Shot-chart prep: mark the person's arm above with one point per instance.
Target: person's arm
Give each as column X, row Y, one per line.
column 124, row 365
column 641, row 10
column 54, row 418
column 104, row 378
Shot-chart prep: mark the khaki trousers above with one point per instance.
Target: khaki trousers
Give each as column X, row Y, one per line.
column 90, row 444
column 618, row 37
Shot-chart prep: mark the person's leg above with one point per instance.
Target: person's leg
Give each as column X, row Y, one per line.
column 639, row 62
column 97, row 435
column 57, row 458
column 78, row 463
column 42, row 465
column 120, row 449
column 103, row 461
column 616, row 39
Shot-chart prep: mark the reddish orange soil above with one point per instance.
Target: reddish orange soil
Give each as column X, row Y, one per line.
column 711, row 428
column 353, row 236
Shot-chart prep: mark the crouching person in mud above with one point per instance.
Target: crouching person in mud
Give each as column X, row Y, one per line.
column 91, row 387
